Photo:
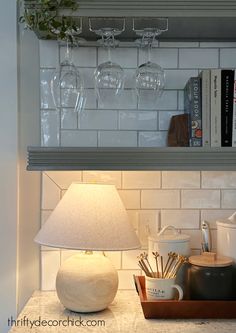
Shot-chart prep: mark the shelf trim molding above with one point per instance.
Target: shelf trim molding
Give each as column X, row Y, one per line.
column 75, row 158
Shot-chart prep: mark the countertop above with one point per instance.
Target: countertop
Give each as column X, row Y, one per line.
column 124, row 315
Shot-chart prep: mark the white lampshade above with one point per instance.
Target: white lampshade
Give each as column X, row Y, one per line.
column 89, row 217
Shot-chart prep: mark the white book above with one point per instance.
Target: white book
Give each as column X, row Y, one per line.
column 206, row 107
column 216, row 107
column 234, row 115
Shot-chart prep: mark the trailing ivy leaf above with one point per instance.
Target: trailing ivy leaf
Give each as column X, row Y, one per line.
column 42, row 16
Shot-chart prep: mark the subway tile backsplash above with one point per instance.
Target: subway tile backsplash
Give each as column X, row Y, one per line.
column 148, row 120
column 153, row 199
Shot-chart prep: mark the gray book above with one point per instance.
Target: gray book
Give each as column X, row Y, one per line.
column 193, row 107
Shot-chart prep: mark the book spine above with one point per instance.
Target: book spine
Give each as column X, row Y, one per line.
column 215, row 107
column 206, row 107
column 234, row 114
column 193, row 106
column 227, row 92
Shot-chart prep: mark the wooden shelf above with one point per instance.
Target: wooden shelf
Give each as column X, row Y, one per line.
column 73, row 158
column 200, row 20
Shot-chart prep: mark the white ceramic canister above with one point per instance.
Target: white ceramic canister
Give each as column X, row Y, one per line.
column 168, row 240
column 226, row 237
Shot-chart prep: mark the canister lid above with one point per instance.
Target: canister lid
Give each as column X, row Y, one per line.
column 228, row 223
column 210, row 259
column 173, row 236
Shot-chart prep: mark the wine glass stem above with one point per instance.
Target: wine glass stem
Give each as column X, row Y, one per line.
column 68, row 55
column 149, row 52
column 109, row 53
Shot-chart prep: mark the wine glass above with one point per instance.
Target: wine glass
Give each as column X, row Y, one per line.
column 149, row 76
column 67, row 86
column 109, row 76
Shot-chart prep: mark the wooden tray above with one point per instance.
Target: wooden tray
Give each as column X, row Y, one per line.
column 173, row 309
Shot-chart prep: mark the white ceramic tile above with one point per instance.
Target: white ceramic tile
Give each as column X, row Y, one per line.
column 129, row 259
column 78, row 138
column 63, row 179
column 177, row 78
column 198, row 58
column 126, row 100
column 130, row 78
column 126, row 280
column 130, row 198
column 50, row 193
column 200, row 199
column 117, row 139
column 166, row 58
column 180, row 100
column 49, row 53
column 180, row 179
column 115, row 257
column 50, row 128
column 218, row 179
column 228, row 58
column 69, row 119
column 134, row 218
column 88, row 76
column 214, row 240
column 195, row 252
column 160, row 199
column 148, row 225
column 179, row 44
column 68, row 98
column 138, row 120
column 168, row 101
column 50, row 263
column 217, row 44
column 165, row 117
column 229, row 199
column 195, row 238
column 181, row 219
column 45, row 90
column 141, row 179
column 211, row 216
column 125, row 57
column 153, row 139
column 91, row 100
column 44, row 216
column 98, row 119
column 106, row 177
column 81, row 56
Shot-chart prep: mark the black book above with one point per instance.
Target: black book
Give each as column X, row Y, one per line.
column 227, row 91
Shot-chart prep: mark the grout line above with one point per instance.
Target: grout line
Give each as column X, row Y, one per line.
column 219, row 58
column 178, row 57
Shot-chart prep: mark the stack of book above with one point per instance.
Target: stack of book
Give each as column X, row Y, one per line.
column 210, row 101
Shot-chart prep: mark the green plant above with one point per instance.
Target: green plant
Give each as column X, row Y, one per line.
column 44, row 16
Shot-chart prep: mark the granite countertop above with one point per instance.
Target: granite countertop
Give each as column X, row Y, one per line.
column 124, row 315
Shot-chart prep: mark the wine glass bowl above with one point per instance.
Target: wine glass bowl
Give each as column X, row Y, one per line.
column 67, row 86
column 109, row 76
column 150, row 76
column 109, row 79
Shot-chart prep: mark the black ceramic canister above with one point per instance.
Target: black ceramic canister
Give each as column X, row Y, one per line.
column 210, row 277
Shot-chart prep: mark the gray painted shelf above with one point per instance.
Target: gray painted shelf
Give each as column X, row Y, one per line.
column 73, row 158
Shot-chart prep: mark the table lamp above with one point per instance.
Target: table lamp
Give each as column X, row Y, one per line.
column 89, row 217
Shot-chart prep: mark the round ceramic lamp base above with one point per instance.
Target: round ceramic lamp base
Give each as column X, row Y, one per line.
column 86, row 282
